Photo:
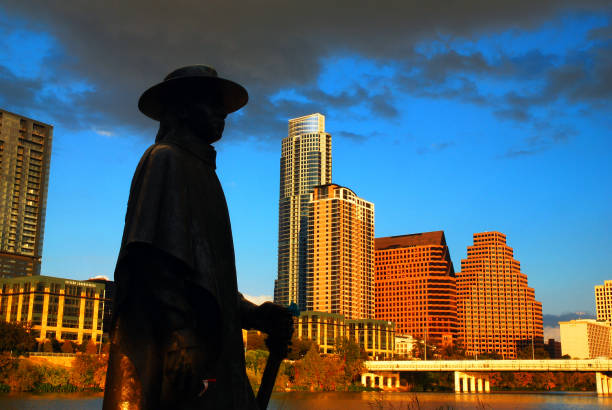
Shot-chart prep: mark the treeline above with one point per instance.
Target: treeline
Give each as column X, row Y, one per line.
column 306, row 369
column 88, row 373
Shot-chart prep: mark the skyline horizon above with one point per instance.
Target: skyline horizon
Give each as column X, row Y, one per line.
column 464, row 118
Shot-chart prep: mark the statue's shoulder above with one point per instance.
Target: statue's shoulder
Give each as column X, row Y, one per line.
column 161, row 152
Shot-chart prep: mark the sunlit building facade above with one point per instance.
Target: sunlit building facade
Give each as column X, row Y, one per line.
column 340, row 265
column 603, row 301
column 586, row 339
column 415, row 286
column 306, row 162
column 64, row 309
column 327, row 330
column 497, row 310
column 25, row 154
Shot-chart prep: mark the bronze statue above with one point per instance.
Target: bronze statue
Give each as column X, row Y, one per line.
column 176, row 339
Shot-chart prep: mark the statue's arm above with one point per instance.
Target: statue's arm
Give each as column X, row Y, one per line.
column 270, row 318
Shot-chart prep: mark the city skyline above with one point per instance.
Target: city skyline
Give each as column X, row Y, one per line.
column 443, row 120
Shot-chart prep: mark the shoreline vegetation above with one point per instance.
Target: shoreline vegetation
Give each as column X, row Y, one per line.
column 305, row 370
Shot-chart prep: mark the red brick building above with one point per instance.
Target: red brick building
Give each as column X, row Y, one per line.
column 415, row 286
column 496, row 309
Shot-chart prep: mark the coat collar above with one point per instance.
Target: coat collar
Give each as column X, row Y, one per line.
column 195, row 146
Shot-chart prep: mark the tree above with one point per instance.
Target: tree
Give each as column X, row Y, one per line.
column 256, row 341
column 16, row 338
column 299, row 347
column 352, row 355
column 91, row 347
column 47, row 346
column 453, row 351
column 67, row 347
column 538, row 352
column 418, row 350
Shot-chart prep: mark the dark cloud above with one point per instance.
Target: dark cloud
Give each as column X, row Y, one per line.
column 121, row 48
column 352, row 135
column 553, row 320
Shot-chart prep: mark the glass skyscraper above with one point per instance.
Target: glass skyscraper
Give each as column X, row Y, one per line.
column 306, row 162
column 25, row 154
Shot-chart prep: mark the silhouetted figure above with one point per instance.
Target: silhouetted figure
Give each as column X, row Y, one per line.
column 176, row 339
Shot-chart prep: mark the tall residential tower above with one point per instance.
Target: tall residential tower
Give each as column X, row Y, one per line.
column 340, row 264
column 25, row 154
column 497, row 310
column 305, row 163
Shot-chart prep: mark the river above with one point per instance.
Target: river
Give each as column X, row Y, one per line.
column 352, row 401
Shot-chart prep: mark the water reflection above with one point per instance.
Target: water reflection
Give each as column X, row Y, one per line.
column 351, row 401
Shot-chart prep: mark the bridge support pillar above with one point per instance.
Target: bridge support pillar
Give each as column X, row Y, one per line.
column 604, row 383
column 473, row 382
column 457, row 382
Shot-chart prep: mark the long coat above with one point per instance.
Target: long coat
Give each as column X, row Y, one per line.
column 176, row 340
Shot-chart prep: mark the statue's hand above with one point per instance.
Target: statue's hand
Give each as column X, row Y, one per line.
column 277, row 322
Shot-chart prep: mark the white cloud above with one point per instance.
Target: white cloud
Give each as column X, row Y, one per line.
column 104, row 133
column 552, row 333
column 258, row 300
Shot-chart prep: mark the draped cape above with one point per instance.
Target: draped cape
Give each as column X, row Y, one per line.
column 177, row 209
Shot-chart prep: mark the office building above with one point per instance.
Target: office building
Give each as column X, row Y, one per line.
column 586, row 339
column 25, row 154
column 553, row 348
column 603, row 301
column 497, row 310
column 327, row 330
column 64, row 309
column 340, row 264
column 306, row 162
column 404, row 346
column 109, row 292
column 415, row 286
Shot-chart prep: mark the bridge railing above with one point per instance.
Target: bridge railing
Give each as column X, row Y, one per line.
column 590, row 365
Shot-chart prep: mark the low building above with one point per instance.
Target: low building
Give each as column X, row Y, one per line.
column 586, row 339
column 553, row 348
column 375, row 337
column 404, row 345
column 59, row 308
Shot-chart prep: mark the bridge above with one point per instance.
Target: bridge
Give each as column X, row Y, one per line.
column 471, row 376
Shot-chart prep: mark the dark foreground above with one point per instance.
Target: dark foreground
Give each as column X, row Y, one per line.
column 352, row 401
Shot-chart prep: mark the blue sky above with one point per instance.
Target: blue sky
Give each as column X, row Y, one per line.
column 466, row 120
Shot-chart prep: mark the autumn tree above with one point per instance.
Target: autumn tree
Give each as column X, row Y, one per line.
column 16, row 338
column 67, row 347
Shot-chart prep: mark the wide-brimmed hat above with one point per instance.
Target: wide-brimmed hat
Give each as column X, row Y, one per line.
column 192, row 81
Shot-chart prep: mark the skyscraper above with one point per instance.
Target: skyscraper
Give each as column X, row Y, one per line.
column 340, row 263
column 415, row 286
column 305, row 163
column 25, row 154
column 497, row 310
column 603, row 301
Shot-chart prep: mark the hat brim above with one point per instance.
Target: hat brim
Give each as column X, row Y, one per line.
column 229, row 95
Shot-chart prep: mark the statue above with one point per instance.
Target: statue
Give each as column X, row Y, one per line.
column 176, row 338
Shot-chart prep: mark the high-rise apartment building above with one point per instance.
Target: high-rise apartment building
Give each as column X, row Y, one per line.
column 603, row 301
column 306, row 162
column 497, row 310
column 340, row 264
column 415, row 286
column 25, row 154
